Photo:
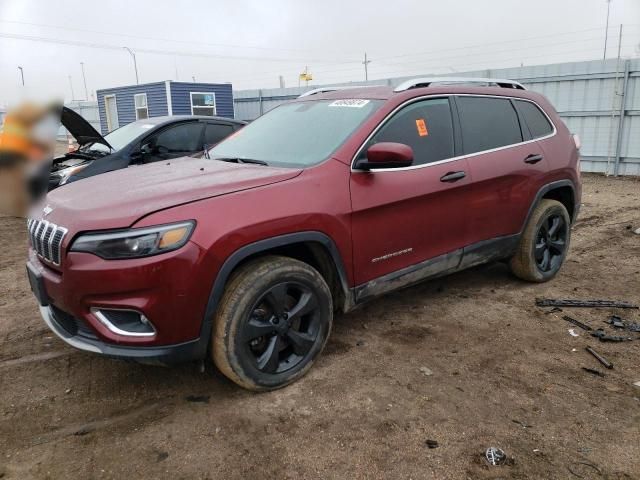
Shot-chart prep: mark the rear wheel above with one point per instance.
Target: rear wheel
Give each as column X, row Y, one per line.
column 273, row 321
column 544, row 243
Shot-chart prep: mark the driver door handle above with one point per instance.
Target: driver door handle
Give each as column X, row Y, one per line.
column 453, row 176
column 533, row 158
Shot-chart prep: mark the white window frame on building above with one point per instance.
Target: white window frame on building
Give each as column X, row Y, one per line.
column 141, row 106
column 206, row 110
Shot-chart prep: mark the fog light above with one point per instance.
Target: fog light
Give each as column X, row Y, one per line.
column 125, row 322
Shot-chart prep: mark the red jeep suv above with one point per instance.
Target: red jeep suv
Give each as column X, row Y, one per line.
column 322, row 204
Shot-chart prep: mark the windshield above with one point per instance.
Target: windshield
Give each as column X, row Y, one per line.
column 297, row 134
column 122, row 136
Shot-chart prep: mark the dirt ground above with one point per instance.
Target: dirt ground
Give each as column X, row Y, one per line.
column 505, row 373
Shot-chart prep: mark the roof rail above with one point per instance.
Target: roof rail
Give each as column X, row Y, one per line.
column 315, row 91
column 487, row 82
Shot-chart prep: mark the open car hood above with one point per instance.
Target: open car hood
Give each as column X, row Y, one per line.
column 81, row 130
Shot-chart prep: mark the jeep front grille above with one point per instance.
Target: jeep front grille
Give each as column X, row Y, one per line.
column 46, row 239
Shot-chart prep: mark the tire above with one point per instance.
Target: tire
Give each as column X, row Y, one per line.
column 544, row 243
column 272, row 323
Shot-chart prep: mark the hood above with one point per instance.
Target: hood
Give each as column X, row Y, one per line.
column 118, row 199
column 82, row 131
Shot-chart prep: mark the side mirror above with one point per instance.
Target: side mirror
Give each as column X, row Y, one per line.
column 146, row 149
column 387, row 155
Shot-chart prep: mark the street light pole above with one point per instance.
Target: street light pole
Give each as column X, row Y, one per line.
column 606, row 31
column 135, row 64
column 71, row 85
column 84, row 79
column 21, row 75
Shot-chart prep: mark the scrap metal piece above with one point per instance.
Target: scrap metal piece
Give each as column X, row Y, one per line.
column 593, row 371
column 600, row 358
column 577, row 323
column 603, row 337
column 551, row 302
column 615, row 321
column 495, row 456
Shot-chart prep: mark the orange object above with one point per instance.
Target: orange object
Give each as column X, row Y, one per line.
column 422, row 127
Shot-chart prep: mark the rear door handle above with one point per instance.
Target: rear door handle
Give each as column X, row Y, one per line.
column 452, row 176
column 533, row 158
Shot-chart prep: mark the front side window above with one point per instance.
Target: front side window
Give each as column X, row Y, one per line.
column 297, row 134
column 487, row 123
column 203, row 104
column 142, row 111
column 178, row 139
column 537, row 121
column 426, row 126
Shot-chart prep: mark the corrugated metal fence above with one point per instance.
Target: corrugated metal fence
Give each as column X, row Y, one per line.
column 598, row 100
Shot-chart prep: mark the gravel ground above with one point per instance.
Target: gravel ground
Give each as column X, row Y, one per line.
column 468, row 361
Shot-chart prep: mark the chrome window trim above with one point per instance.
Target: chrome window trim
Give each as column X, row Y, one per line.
column 101, row 317
column 452, row 159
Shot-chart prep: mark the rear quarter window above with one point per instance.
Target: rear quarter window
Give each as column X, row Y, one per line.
column 533, row 117
column 487, row 123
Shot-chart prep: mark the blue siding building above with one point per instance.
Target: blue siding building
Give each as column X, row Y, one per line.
column 122, row 105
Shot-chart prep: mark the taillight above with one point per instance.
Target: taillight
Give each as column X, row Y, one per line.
column 576, row 140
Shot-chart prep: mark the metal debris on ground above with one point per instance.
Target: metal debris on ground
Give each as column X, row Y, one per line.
column 495, row 456
column 432, row 444
column 603, row 337
column 577, row 323
column 552, row 302
column 617, row 322
column 521, row 423
column 593, row 371
column 573, row 333
column 600, row 358
column 553, row 310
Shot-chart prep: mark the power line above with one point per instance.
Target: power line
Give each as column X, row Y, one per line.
column 104, row 46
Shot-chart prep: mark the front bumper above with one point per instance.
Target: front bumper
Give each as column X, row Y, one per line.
column 162, row 355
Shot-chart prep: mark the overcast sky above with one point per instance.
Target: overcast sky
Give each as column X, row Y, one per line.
column 250, row 43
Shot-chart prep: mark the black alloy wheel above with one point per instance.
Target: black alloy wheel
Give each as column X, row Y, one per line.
column 282, row 327
column 551, row 242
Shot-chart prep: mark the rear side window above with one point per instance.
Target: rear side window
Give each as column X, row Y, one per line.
column 214, row 133
column 537, row 122
column 487, row 123
column 425, row 126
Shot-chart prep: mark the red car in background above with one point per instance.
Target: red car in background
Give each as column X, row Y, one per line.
column 321, row 204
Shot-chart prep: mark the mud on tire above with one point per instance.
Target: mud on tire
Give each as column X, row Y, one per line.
column 544, row 243
column 272, row 323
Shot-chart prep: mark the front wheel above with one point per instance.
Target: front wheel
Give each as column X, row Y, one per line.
column 544, row 243
column 272, row 323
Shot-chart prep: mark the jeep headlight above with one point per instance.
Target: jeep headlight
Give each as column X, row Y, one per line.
column 135, row 242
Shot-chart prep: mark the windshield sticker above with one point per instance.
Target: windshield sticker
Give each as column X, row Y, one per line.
column 352, row 103
column 422, row 127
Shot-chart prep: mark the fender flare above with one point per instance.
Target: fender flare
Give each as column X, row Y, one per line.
column 545, row 189
column 257, row 247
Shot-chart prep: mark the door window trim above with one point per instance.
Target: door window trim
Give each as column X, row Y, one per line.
column 458, row 157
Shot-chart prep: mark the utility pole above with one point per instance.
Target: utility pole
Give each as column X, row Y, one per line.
column 84, row 79
column 135, row 63
column 21, row 74
column 366, row 63
column 71, row 85
column 619, row 42
column 606, row 31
